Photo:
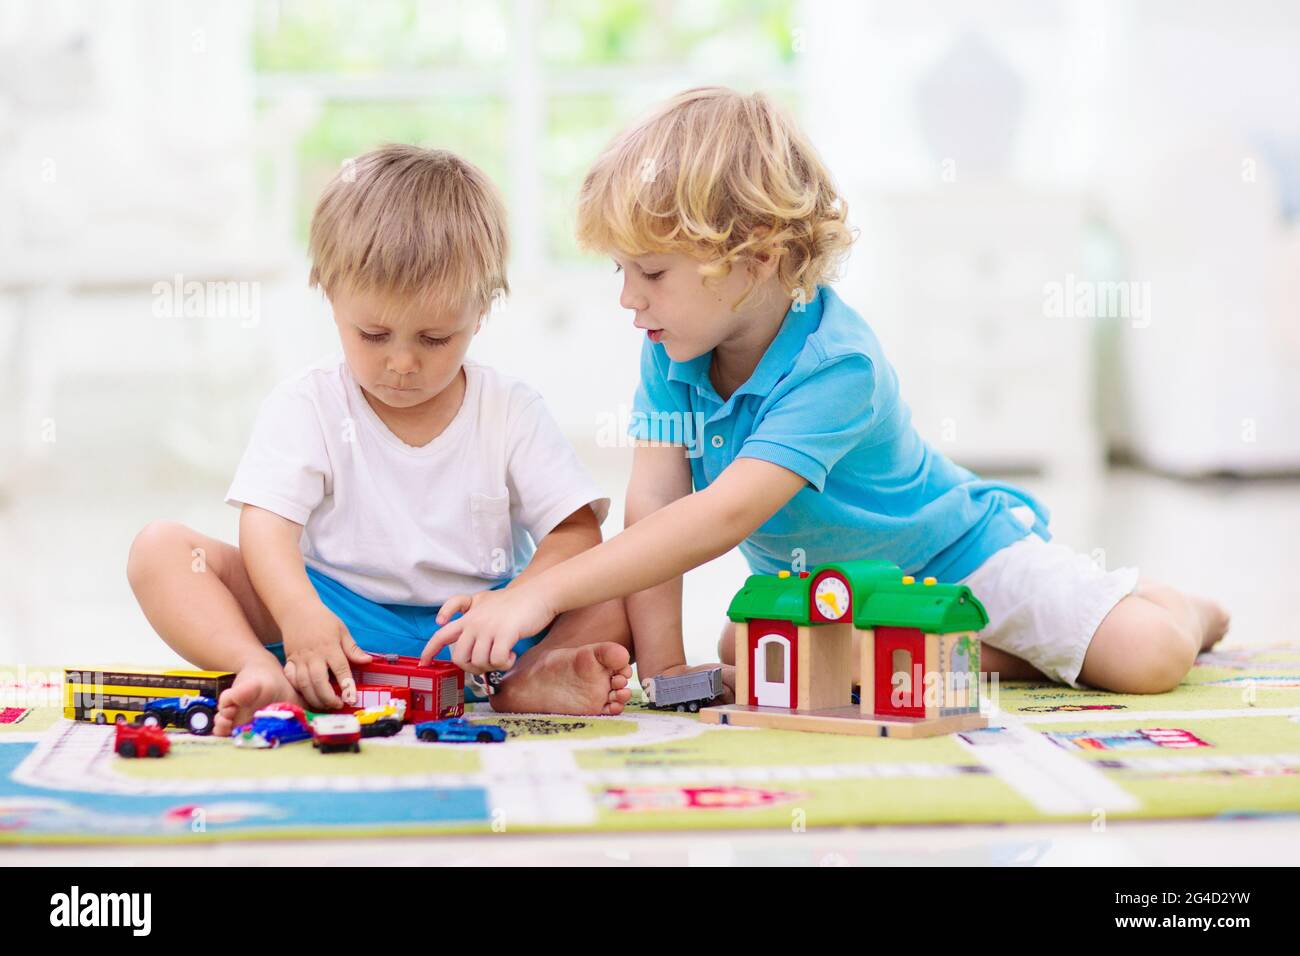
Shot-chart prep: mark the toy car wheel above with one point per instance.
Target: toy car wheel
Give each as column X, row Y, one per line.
column 101, row 719
column 126, row 749
column 356, row 748
column 387, row 728
column 693, row 707
column 680, row 708
column 198, row 720
column 120, row 719
column 431, row 735
column 275, row 743
column 154, row 750
column 484, row 737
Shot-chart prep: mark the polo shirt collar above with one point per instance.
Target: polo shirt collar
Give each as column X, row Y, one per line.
column 776, row 361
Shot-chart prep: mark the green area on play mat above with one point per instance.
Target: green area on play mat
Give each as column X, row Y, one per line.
column 1224, row 744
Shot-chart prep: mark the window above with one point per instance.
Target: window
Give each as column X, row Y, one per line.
column 774, row 665
column 529, row 90
column 901, row 661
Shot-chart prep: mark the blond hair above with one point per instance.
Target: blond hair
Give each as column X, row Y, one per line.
column 406, row 222
column 723, row 177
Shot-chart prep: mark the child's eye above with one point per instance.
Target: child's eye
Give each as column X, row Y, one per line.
column 380, row 336
column 617, row 268
column 654, row 276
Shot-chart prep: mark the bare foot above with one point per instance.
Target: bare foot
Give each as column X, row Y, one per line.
column 728, row 695
column 255, row 686
column 591, row 679
column 1214, row 619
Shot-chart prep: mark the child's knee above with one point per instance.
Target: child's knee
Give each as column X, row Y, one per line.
column 1169, row 651
column 727, row 644
column 1151, row 654
column 1173, row 652
column 155, row 539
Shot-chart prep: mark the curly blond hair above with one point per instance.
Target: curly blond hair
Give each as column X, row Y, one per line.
column 722, row 177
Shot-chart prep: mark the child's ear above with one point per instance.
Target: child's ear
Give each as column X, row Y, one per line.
column 765, row 263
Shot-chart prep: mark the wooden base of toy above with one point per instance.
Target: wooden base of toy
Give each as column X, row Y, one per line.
column 840, row 720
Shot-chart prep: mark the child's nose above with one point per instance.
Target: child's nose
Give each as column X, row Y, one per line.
column 403, row 363
column 631, row 299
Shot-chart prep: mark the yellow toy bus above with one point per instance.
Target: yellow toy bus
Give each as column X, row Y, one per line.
column 142, row 696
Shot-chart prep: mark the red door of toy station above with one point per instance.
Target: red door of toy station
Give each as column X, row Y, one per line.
column 773, row 663
column 900, row 649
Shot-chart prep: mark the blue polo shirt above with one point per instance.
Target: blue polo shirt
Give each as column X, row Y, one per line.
column 824, row 403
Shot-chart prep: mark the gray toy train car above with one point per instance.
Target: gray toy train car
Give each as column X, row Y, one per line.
column 683, row 692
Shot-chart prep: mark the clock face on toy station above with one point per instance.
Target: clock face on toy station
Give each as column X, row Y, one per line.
column 831, row 597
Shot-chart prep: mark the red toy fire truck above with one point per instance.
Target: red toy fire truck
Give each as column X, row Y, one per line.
column 434, row 692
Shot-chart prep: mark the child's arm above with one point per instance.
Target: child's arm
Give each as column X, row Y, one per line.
column 663, row 545
column 661, row 474
column 316, row 643
column 575, row 534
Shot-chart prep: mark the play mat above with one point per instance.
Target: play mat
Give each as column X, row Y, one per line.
column 1225, row 744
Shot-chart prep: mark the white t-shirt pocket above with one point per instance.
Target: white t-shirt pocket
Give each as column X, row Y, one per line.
column 493, row 539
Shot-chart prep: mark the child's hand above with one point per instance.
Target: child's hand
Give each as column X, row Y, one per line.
column 493, row 622
column 316, row 645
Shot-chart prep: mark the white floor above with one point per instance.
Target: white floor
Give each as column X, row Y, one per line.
column 64, row 536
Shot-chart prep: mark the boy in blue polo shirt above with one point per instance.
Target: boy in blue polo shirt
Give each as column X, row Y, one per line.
column 779, row 428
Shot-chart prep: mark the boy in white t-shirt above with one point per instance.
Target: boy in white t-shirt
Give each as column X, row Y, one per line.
column 387, row 478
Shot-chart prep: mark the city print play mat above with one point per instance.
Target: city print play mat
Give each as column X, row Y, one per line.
column 1226, row 744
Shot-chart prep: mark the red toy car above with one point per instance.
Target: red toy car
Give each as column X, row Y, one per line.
column 334, row 732
column 143, row 741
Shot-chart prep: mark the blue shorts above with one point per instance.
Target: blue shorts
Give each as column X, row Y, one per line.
column 388, row 628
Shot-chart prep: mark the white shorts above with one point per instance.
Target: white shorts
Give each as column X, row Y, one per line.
column 1045, row 601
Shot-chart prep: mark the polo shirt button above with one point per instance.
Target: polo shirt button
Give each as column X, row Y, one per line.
column 718, row 441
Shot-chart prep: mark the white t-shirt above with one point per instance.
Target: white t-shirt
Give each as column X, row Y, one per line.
column 404, row 525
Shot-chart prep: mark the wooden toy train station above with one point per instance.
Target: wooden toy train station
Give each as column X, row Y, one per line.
column 917, row 648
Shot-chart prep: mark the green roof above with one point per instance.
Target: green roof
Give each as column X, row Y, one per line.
column 934, row 608
column 771, row 598
column 863, row 576
column 880, row 599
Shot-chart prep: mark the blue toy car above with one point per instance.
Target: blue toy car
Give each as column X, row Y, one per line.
column 272, row 726
column 195, row 714
column 458, row 730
